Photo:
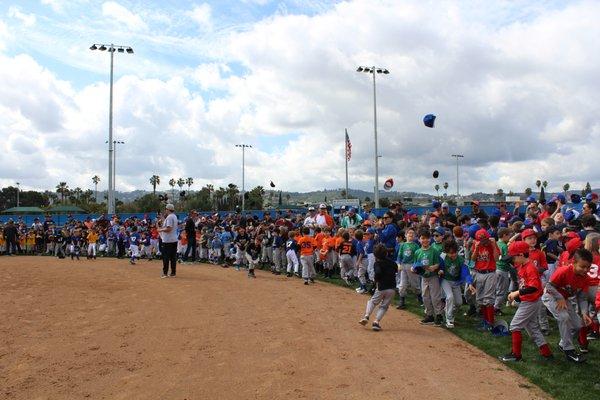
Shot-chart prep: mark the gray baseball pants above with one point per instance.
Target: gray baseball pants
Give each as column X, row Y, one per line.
column 502, row 286
column 292, row 261
column 406, row 279
column 432, row 295
column 568, row 321
column 383, row 298
column 526, row 318
column 486, row 288
column 453, row 293
column 346, row 266
column 279, row 258
column 308, row 266
column 362, row 271
column 542, row 314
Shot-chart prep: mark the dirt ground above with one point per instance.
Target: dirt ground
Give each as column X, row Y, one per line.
column 107, row 330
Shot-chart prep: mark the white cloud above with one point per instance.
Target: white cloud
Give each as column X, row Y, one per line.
column 27, row 19
column 517, row 97
column 202, row 15
column 114, row 11
column 56, row 5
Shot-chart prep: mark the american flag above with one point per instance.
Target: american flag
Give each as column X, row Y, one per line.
column 348, row 147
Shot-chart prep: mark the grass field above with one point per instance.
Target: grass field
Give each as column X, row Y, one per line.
column 561, row 379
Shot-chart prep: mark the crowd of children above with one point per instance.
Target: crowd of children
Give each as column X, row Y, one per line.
column 543, row 260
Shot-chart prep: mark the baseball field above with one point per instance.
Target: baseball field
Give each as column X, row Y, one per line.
column 105, row 329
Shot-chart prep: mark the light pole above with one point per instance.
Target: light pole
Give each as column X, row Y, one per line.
column 115, row 143
column 111, row 49
column 457, row 156
column 18, row 192
column 243, row 146
column 375, row 70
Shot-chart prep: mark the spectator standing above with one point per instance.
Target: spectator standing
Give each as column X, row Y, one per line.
column 168, row 234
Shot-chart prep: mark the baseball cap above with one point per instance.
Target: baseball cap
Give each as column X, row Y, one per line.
column 514, row 249
column 531, row 199
column 573, row 244
column 311, row 209
column 526, row 233
column 552, row 229
column 322, row 206
column 482, row 234
column 439, row 230
column 528, row 222
column 367, row 222
column 351, row 210
column 473, row 229
column 475, row 203
column 575, row 198
column 571, row 215
column 436, row 204
column 170, row 207
column 591, row 196
column 562, row 198
column 444, row 205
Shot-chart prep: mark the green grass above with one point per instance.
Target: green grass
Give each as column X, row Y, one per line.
column 561, row 379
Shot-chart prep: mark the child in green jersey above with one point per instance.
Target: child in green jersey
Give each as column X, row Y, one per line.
column 427, row 263
column 405, row 259
column 502, row 271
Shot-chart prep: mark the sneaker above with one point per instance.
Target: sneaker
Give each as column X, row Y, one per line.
column 449, row 325
column 428, row 320
column 164, row 276
column 438, row 320
column 364, row 321
column 289, row 274
column 573, row 356
column 311, row 280
column 361, row 291
column 375, row 326
column 172, row 275
column 237, row 267
column 306, row 281
column 297, row 275
column 593, row 336
column 131, row 262
column 584, row 349
column 510, row 357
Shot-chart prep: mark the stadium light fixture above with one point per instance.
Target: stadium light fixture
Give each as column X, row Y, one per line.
column 111, row 143
column 244, row 147
column 375, row 70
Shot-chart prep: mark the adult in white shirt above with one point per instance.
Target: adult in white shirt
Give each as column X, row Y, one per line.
column 168, row 233
column 310, row 221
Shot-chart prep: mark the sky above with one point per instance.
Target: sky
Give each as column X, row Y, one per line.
column 514, row 85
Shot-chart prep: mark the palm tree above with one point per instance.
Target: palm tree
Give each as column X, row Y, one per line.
column 538, row 183
column 437, row 189
column 96, row 180
column 154, row 181
column 528, row 191
column 172, row 183
column 566, row 188
column 545, row 184
column 189, row 182
column 180, row 183
column 62, row 188
column 499, row 193
column 77, row 192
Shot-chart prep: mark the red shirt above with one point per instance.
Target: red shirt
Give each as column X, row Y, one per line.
column 567, row 283
column 593, row 279
column 485, row 258
column 529, row 277
column 538, row 258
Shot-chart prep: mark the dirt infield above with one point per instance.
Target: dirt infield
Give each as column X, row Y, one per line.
column 106, row 330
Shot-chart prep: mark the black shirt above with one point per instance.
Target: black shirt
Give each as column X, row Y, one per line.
column 385, row 274
column 190, row 228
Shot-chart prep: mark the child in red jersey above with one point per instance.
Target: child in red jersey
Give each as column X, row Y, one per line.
column 538, row 259
column 529, row 294
column 484, row 253
column 570, row 282
column 592, row 243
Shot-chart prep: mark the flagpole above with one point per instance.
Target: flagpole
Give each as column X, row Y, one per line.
column 346, row 158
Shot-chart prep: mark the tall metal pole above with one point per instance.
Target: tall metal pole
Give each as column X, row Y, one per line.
column 243, row 179
column 457, row 156
column 346, row 157
column 18, row 192
column 376, row 150
column 111, row 188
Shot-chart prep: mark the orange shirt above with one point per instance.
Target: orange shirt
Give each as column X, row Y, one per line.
column 319, row 238
column 338, row 242
column 307, row 245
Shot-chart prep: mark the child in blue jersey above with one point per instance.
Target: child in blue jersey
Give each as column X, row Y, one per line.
column 361, row 261
column 102, row 244
column 369, row 246
column 216, row 249
column 453, row 272
column 279, row 257
column 134, row 245
column 291, row 253
column 227, row 240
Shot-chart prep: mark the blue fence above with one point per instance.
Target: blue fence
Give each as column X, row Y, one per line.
column 61, row 219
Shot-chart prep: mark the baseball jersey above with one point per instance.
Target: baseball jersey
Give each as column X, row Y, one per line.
column 438, row 246
column 593, row 279
column 348, row 247
column 567, row 283
column 426, row 258
column 307, row 245
column 369, row 246
column 134, row 239
column 538, row 258
column 406, row 252
column 502, row 265
column 485, row 258
column 456, row 270
column 291, row 245
column 529, row 277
